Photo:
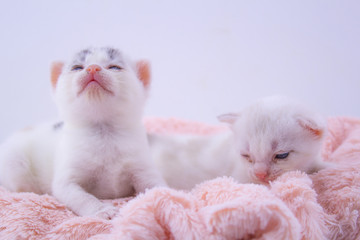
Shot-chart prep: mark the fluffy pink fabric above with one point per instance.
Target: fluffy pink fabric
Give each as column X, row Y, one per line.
column 295, row 206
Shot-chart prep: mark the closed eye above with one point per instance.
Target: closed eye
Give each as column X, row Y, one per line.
column 115, row 67
column 282, row 156
column 77, row 68
column 247, row 157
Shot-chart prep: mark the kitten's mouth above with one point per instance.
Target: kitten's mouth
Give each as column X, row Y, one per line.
column 267, row 179
column 264, row 180
column 93, row 83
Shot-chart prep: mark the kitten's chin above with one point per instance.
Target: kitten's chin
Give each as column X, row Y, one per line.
column 259, row 181
column 266, row 180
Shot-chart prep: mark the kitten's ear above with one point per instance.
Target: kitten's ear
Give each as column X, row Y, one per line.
column 315, row 128
column 143, row 72
column 228, row 118
column 56, row 69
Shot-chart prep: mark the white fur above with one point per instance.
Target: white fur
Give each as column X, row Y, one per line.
column 278, row 125
column 26, row 159
column 188, row 160
column 101, row 151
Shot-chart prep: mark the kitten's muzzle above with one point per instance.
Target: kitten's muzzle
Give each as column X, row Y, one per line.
column 261, row 172
column 93, row 77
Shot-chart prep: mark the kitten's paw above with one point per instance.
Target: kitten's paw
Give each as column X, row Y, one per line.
column 107, row 211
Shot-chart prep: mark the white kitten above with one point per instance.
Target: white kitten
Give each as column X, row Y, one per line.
column 268, row 138
column 276, row 135
column 100, row 150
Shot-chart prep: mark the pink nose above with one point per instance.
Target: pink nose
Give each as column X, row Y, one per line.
column 93, row 68
column 261, row 175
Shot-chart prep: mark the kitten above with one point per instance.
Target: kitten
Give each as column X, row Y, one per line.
column 276, row 135
column 270, row 137
column 100, row 150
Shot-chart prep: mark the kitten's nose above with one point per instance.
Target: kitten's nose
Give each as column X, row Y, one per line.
column 261, row 175
column 93, row 68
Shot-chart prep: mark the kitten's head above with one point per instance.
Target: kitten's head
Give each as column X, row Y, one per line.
column 276, row 135
column 100, row 83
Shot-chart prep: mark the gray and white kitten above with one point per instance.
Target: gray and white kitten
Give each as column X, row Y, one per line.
column 100, row 150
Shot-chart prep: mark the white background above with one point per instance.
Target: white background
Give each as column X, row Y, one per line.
column 208, row 57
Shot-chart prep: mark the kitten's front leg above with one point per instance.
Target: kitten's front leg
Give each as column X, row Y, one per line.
column 146, row 176
column 80, row 201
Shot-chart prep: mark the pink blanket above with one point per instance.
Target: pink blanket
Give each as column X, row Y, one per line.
column 295, row 206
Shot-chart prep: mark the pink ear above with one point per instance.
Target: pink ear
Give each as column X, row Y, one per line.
column 229, row 118
column 56, row 69
column 312, row 127
column 143, row 71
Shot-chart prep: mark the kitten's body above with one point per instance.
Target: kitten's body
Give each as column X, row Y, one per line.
column 188, row 160
column 99, row 151
column 26, row 159
column 269, row 128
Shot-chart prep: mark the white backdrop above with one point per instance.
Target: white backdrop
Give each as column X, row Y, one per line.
column 208, row 57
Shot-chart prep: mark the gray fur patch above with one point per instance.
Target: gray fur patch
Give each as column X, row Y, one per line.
column 81, row 56
column 58, row 126
column 113, row 53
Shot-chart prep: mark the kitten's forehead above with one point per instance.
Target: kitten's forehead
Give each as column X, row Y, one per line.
column 98, row 55
column 262, row 132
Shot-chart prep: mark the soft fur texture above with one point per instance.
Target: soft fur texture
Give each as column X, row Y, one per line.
column 100, row 150
column 271, row 136
column 276, row 135
column 324, row 205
